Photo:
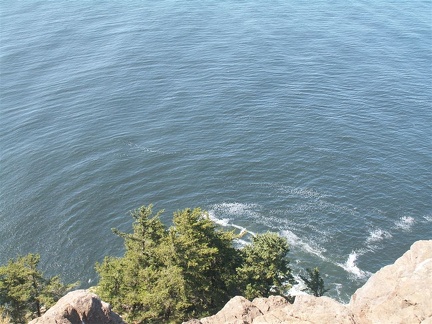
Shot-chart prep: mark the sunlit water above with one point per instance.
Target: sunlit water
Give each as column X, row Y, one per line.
column 311, row 119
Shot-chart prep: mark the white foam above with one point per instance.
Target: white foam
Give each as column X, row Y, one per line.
column 405, row 223
column 294, row 240
column 234, row 209
column 304, row 192
column 225, row 222
column 378, row 235
column 338, row 288
column 428, row 218
column 242, row 229
column 351, row 266
column 298, row 288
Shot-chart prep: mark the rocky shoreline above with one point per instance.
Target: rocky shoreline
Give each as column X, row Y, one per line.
column 398, row 293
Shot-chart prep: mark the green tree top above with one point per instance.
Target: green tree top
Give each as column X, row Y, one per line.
column 265, row 270
column 188, row 270
column 24, row 289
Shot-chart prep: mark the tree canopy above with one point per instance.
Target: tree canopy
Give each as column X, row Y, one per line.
column 190, row 269
column 24, row 290
column 167, row 274
column 265, row 268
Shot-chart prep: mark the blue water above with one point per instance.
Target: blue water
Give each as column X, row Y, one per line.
column 312, row 119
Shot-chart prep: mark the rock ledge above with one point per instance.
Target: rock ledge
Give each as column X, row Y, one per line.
column 398, row 293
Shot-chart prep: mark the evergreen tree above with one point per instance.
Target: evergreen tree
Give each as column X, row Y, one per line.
column 207, row 258
column 24, row 290
column 265, row 270
column 314, row 282
column 188, row 270
column 132, row 283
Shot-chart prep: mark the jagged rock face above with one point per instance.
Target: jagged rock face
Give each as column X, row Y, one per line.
column 79, row 306
column 308, row 309
column 272, row 303
column 398, row 293
column 238, row 310
column 275, row 309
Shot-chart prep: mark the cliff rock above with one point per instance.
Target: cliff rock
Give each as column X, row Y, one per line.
column 238, row 310
column 79, row 306
column 308, row 309
column 398, row 293
column 272, row 303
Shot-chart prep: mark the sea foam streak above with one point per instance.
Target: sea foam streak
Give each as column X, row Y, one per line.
column 225, row 222
column 232, row 209
column 224, row 213
column 351, row 266
column 378, row 235
column 294, row 240
column 405, row 223
column 428, row 218
column 298, row 288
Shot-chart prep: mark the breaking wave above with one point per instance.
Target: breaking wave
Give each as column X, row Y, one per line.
column 351, row 266
column 294, row 240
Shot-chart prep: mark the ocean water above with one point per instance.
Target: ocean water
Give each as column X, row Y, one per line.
column 311, row 119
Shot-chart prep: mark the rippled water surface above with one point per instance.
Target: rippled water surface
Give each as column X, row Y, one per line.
column 311, row 119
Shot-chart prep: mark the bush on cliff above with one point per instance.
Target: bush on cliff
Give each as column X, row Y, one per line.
column 188, row 270
column 24, row 290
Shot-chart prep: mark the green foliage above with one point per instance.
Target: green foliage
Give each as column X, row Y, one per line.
column 145, row 284
column 24, row 290
column 265, row 270
column 314, row 282
column 207, row 258
column 188, row 270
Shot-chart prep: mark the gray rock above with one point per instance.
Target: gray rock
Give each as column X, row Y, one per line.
column 79, row 307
